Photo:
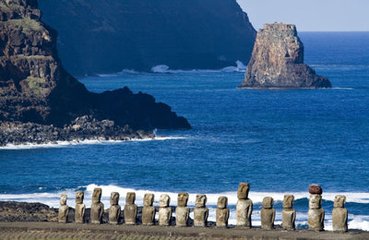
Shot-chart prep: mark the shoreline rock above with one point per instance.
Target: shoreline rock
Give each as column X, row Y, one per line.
column 278, row 61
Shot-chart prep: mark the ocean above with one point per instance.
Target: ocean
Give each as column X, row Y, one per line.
column 279, row 141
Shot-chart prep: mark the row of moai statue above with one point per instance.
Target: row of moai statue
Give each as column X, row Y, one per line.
column 244, row 209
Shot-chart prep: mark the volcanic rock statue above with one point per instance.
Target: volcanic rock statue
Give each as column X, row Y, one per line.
column 316, row 213
column 339, row 214
column 165, row 212
column 115, row 209
column 201, row 212
column 182, row 211
column 79, row 215
column 278, row 61
column 130, row 209
column 244, row 206
column 148, row 211
column 267, row 214
column 97, row 207
column 63, row 209
column 222, row 212
column 288, row 213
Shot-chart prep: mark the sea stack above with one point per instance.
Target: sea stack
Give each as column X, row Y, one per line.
column 278, row 61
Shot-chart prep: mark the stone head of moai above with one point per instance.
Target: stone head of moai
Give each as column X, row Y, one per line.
column 80, row 197
column 148, row 200
column 201, row 201
column 315, row 201
column 164, row 201
column 288, row 201
column 268, row 203
column 315, row 189
column 183, row 199
column 114, row 199
column 222, row 202
column 130, row 198
column 243, row 191
column 96, row 195
column 63, row 200
column 339, row 201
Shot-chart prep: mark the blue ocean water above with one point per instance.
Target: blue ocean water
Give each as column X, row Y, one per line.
column 278, row 140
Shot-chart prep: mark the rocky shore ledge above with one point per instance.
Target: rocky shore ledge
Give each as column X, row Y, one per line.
column 82, row 128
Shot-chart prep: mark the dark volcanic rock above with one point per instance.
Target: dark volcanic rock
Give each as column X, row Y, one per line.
column 97, row 36
column 278, row 61
column 35, row 88
column 27, row 212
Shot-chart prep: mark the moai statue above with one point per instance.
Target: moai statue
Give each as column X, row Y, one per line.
column 148, row 211
column 267, row 214
column 222, row 212
column 339, row 214
column 130, row 209
column 182, row 211
column 165, row 212
column 63, row 209
column 244, row 206
column 79, row 215
column 115, row 209
column 288, row 213
column 201, row 212
column 97, row 207
column 316, row 212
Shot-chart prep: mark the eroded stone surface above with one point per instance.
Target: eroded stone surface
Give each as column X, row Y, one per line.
column 340, row 214
column 165, row 212
column 222, row 212
column 97, row 207
column 63, row 209
column 288, row 213
column 267, row 214
column 278, row 61
column 182, row 211
column 316, row 213
column 201, row 212
column 130, row 209
column 115, row 209
column 148, row 211
column 79, row 214
column 244, row 206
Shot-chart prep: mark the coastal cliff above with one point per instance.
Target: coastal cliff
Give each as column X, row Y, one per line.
column 104, row 36
column 35, row 88
column 278, row 61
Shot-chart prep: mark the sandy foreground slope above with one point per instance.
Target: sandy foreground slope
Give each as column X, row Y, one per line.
column 73, row 231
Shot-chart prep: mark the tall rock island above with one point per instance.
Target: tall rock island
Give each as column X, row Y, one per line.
column 105, row 36
column 277, row 61
column 35, row 88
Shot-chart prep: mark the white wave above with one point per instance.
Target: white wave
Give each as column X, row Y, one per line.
column 61, row 144
column 124, row 71
column 239, row 67
column 52, row 199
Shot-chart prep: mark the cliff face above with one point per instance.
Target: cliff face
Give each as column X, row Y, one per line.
column 97, row 36
column 34, row 87
column 278, row 61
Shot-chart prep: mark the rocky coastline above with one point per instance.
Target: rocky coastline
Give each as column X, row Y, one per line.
column 81, row 129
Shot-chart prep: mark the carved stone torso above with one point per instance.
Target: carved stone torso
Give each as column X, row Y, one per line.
column 130, row 214
column 182, row 215
column 114, row 214
column 244, row 210
column 63, row 214
column 80, row 213
column 148, row 215
column 339, row 219
column 316, row 219
column 288, row 219
column 267, row 218
column 201, row 217
column 97, row 211
column 222, row 216
column 165, row 215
